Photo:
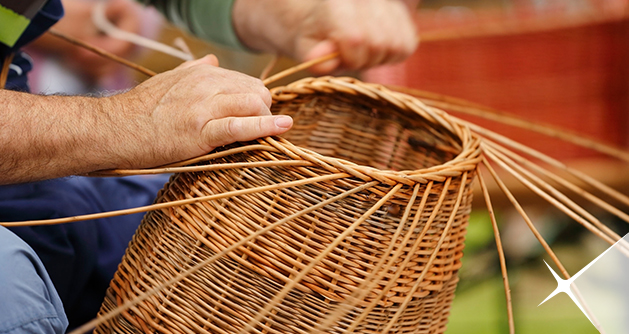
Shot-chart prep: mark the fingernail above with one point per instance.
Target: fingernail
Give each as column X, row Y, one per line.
column 283, row 122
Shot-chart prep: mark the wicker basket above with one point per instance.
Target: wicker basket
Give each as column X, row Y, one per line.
column 354, row 221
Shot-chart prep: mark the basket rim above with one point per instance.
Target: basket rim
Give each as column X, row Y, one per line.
column 466, row 160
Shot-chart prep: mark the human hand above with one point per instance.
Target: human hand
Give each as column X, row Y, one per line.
column 365, row 33
column 173, row 116
column 189, row 111
column 77, row 22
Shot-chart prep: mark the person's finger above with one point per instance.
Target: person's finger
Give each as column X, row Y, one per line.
column 352, row 48
column 233, row 129
column 239, row 105
column 379, row 51
column 393, row 51
column 407, row 39
column 403, row 51
column 208, row 59
column 321, row 49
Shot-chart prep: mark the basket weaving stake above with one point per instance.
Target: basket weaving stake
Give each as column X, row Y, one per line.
column 526, row 218
column 298, row 68
column 569, row 185
column 101, row 52
column 553, row 162
column 225, row 153
column 176, row 203
column 433, row 256
column 539, row 237
column 501, row 252
column 131, row 303
column 399, row 251
column 202, row 168
column 4, row 69
column 469, row 108
column 276, row 198
column 372, row 280
column 558, row 196
column 611, row 239
column 288, row 287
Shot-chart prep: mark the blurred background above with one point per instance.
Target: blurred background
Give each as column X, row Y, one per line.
column 563, row 63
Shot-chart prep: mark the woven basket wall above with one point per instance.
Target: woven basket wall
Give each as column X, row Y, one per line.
column 411, row 169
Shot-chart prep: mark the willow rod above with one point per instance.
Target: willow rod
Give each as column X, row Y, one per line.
column 299, row 68
column 202, row 168
column 225, row 153
column 556, row 200
column 4, row 72
column 545, row 158
column 100, row 51
column 435, row 251
column 569, row 185
column 173, row 203
column 501, row 252
column 526, row 218
column 466, row 107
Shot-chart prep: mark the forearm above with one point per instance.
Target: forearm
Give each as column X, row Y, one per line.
column 51, row 136
column 173, row 116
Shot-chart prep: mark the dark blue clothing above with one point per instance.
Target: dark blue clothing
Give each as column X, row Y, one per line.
column 81, row 258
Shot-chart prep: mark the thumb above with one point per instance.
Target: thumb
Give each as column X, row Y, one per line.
column 208, row 60
column 321, row 49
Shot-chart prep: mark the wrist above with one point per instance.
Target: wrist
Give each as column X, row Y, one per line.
column 125, row 133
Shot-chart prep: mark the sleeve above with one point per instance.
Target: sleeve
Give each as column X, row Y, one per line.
column 29, row 301
column 207, row 19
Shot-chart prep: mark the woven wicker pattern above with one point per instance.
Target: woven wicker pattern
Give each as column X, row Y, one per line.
column 353, row 222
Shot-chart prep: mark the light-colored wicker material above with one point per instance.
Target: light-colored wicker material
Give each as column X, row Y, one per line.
column 366, row 235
